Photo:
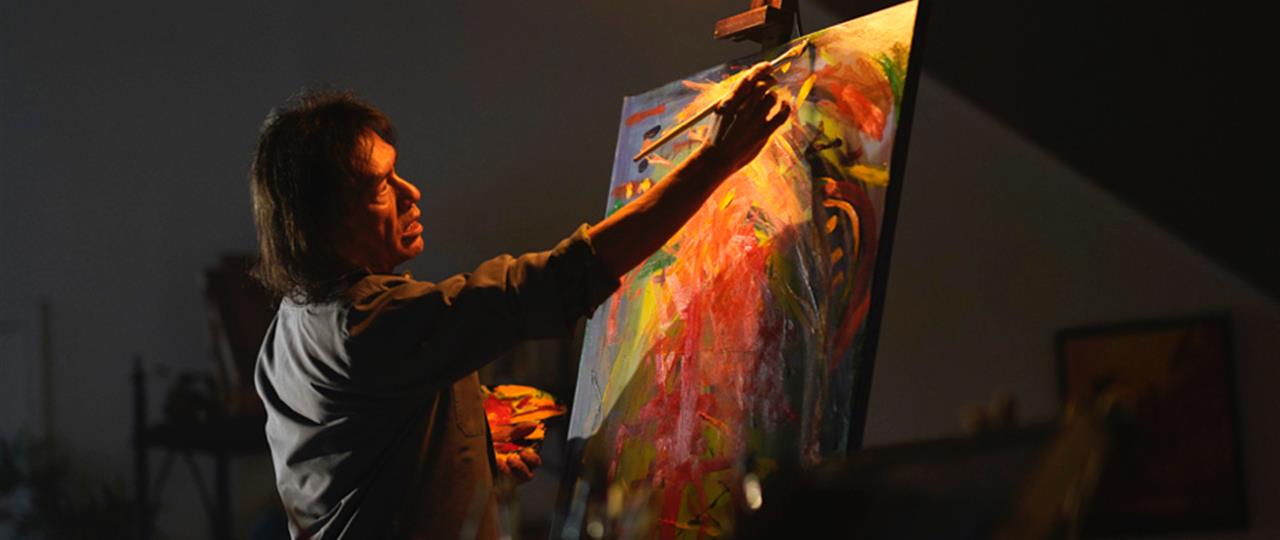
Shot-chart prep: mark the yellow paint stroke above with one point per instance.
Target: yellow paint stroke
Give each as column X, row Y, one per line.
column 728, row 198
column 761, row 238
column 828, row 57
column 842, row 206
column 631, row 189
column 876, row 176
column 831, row 130
column 786, row 66
column 805, row 89
column 645, row 185
column 831, row 224
column 631, row 350
column 854, row 223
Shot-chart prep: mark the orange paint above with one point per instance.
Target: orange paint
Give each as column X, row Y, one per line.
column 640, row 116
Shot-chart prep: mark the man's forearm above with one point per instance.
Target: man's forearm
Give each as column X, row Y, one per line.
column 637, row 230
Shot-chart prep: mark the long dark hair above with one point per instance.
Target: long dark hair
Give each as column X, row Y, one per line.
column 307, row 160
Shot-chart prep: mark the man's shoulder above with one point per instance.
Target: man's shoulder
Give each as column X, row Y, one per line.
column 376, row 288
column 394, row 299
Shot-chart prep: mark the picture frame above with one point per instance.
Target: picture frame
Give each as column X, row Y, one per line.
column 1177, row 466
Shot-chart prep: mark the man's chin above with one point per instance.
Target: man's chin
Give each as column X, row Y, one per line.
column 413, row 246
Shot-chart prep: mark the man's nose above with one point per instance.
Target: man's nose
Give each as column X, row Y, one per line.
column 408, row 191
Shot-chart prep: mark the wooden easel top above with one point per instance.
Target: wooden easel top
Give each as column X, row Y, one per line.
column 767, row 22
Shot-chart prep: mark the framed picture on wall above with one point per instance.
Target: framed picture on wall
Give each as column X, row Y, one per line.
column 1177, row 467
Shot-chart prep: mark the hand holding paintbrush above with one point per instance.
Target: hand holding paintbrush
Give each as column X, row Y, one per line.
column 746, row 120
column 737, row 101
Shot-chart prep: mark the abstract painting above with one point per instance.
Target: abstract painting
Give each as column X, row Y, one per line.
column 736, row 348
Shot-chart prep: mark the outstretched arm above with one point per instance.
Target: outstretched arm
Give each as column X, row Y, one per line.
column 743, row 126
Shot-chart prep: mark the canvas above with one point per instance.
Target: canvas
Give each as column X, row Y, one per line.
column 737, row 347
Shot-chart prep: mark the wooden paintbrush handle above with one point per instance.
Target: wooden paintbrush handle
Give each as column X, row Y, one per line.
column 678, row 129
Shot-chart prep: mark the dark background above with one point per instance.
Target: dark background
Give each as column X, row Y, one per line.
column 1167, row 105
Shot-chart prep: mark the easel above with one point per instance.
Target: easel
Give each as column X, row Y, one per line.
column 767, row 22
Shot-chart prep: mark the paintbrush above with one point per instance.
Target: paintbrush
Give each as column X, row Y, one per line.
column 679, row 128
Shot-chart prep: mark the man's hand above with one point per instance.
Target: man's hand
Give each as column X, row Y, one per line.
column 743, row 126
column 520, row 466
column 743, row 123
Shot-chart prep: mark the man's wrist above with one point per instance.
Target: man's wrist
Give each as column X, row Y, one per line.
column 708, row 166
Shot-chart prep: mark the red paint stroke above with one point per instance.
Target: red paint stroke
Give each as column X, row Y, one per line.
column 860, row 92
column 611, row 330
column 710, row 373
column 640, row 116
column 870, row 118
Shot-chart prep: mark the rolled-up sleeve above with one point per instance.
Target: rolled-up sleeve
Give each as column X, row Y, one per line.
column 405, row 332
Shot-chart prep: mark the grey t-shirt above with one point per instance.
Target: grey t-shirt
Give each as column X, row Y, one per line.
column 374, row 412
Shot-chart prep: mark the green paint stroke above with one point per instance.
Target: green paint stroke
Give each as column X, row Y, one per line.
column 617, row 205
column 894, row 64
column 654, row 263
column 784, row 279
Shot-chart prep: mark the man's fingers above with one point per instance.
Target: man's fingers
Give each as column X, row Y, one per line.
column 733, row 101
column 766, row 80
column 760, row 92
column 750, row 115
column 756, row 111
column 761, row 69
column 758, row 73
column 519, row 469
column 531, row 458
column 779, row 117
column 757, row 80
column 755, row 88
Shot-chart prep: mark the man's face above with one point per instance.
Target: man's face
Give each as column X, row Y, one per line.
column 381, row 228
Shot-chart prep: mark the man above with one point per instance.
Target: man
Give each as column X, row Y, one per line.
column 374, row 413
